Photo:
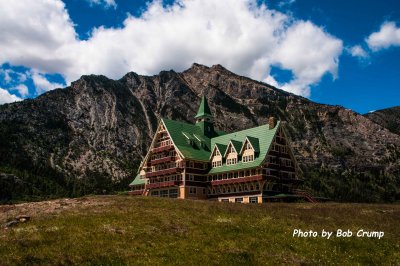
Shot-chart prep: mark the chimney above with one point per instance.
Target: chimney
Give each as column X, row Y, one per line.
column 271, row 122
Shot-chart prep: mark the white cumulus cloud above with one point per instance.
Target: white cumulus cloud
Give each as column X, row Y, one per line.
column 42, row 84
column 357, row 51
column 22, row 90
column 245, row 37
column 105, row 3
column 388, row 35
column 6, row 97
column 309, row 52
column 34, row 34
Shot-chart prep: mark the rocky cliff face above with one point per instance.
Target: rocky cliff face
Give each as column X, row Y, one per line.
column 388, row 118
column 105, row 126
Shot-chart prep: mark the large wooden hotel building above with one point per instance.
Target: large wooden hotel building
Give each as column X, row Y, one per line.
column 195, row 161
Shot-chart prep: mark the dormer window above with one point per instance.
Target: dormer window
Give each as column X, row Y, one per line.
column 248, row 150
column 216, row 158
column 248, row 146
column 248, row 158
column 216, row 163
column 231, row 153
column 231, row 161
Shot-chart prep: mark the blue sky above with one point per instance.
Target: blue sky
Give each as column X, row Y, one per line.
column 334, row 52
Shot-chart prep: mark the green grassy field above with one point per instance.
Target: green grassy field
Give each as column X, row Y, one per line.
column 120, row 230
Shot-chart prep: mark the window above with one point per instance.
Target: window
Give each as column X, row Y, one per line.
column 173, row 193
column 231, row 161
column 253, row 199
column 239, row 200
column 248, row 146
column 248, row 158
column 192, row 190
column 190, row 177
column 154, row 193
column 283, row 149
column 216, row 163
column 224, row 200
column 273, row 160
column 164, row 193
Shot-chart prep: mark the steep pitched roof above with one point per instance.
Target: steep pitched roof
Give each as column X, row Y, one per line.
column 137, row 181
column 236, row 144
column 254, row 142
column 204, row 109
column 180, row 132
column 221, row 148
column 260, row 138
column 265, row 137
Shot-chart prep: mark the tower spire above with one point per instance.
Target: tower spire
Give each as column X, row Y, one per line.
column 204, row 118
column 204, row 110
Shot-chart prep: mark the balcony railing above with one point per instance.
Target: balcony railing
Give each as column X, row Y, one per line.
column 162, row 160
column 237, row 180
column 163, row 184
column 162, row 148
column 164, row 172
column 136, row 192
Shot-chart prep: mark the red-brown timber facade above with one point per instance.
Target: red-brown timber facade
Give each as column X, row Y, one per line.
column 195, row 161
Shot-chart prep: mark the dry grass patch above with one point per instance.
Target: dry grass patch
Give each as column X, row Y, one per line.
column 120, row 230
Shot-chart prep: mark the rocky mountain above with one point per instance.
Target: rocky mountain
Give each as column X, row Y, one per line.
column 388, row 118
column 103, row 127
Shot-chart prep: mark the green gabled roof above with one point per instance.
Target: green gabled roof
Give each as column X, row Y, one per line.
column 221, row 148
column 204, row 109
column 236, row 144
column 196, row 151
column 254, row 143
column 265, row 137
column 137, row 181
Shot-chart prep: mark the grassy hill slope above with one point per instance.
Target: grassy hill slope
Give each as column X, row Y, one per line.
column 121, row 230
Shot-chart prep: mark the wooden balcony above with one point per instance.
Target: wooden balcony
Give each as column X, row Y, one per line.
column 162, row 148
column 136, row 192
column 271, row 178
column 196, row 171
column 290, row 180
column 162, row 184
column 168, row 171
column 237, row 180
column 162, row 160
column 279, row 154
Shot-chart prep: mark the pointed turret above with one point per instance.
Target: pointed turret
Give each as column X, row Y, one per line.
column 204, row 118
column 204, row 110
